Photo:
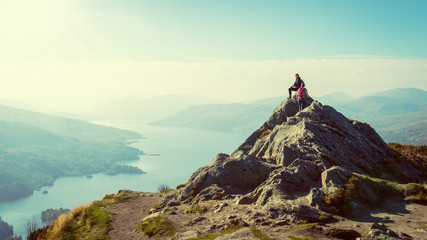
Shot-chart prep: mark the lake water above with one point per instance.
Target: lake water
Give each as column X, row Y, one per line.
column 181, row 152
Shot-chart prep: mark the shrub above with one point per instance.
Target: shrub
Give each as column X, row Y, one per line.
column 163, row 188
column 32, row 225
column 416, row 193
column 194, row 191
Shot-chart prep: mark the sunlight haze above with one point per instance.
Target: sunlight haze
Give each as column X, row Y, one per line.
column 64, row 55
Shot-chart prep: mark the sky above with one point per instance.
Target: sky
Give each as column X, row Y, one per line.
column 68, row 54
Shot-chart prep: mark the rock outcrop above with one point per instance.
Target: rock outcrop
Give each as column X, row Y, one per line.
column 293, row 160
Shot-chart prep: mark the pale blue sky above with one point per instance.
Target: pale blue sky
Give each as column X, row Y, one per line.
column 110, row 48
column 170, row 30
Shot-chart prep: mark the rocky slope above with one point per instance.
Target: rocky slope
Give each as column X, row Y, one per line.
column 314, row 166
column 295, row 158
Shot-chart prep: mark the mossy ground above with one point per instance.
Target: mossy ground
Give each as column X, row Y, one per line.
column 213, row 236
column 299, row 238
column 362, row 190
column 259, row 234
column 197, row 209
column 342, row 233
column 309, row 225
column 157, row 226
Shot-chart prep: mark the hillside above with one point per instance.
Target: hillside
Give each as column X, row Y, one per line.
column 313, row 174
column 36, row 149
column 380, row 109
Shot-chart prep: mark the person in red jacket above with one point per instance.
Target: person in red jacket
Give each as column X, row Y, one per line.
column 296, row 85
column 302, row 96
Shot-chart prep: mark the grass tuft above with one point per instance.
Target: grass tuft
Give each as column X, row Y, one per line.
column 197, row 209
column 342, row 233
column 213, row 236
column 157, row 226
column 309, row 225
column 265, row 133
column 259, row 235
column 299, row 238
column 362, row 190
column 163, row 188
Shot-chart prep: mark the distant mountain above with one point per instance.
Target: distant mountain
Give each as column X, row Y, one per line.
column 335, row 98
column 403, row 128
column 391, row 102
column 235, row 117
column 144, row 109
column 65, row 126
column 378, row 109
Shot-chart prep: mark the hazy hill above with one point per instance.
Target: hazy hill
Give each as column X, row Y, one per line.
column 36, row 148
column 15, row 134
column 391, row 102
column 144, row 109
column 65, row 126
column 379, row 109
column 335, row 98
column 233, row 117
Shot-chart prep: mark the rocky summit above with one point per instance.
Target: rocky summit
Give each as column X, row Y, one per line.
column 313, row 174
column 294, row 160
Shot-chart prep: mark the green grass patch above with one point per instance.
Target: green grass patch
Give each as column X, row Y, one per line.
column 362, row 190
column 157, row 226
column 197, row 209
column 84, row 222
column 213, row 236
column 259, row 235
column 95, row 222
column 299, row 238
column 308, row 225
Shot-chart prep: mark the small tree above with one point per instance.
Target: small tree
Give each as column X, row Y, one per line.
column 32, row 225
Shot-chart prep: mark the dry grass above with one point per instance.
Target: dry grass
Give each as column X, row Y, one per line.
column 265, row 133
column 83, row 222
column 417, row 155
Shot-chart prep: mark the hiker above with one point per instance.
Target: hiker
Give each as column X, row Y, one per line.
column 302, row 96
column 296, row 85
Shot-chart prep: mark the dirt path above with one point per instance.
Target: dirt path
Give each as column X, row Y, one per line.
column 127, row 216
